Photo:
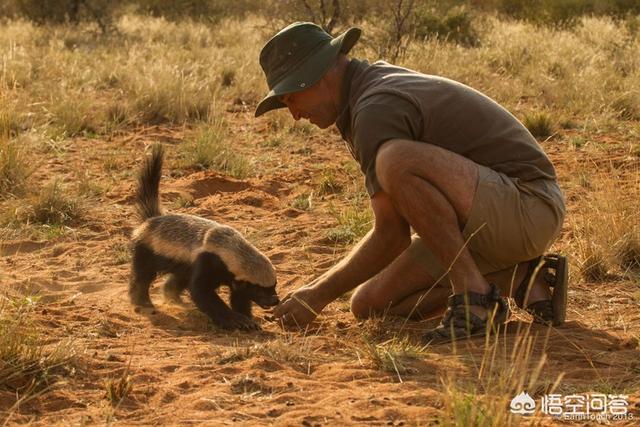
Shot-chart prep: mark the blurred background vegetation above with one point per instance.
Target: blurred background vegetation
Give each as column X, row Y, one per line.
column 419, row 16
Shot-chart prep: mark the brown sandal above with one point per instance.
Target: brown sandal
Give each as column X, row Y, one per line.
column 556, row 273
column 458, row 322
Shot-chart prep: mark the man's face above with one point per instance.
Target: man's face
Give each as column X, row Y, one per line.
column 314, row 104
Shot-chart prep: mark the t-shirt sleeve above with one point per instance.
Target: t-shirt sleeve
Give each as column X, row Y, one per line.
column 380, row 119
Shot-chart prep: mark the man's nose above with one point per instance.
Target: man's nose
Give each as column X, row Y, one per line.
column 294, row 113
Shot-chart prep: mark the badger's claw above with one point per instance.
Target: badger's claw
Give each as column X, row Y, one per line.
column 233, row 320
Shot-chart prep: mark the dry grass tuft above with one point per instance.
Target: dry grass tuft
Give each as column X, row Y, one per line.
column 606, row 231
column 210, row 149
column 510, row 365
column 394, row 355
column 71, row 116
column 328, row 183
column 354, row 222
column 539, row 124
column 53, row 206
column 28, row 366
column 14, row 169
column 290, row 349
column 116, row 389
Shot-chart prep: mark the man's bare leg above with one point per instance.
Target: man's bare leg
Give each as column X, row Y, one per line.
column 405, row 288
column 433, row 189
column 397, row 288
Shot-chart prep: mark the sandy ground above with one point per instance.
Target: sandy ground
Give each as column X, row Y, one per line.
column 184, row 371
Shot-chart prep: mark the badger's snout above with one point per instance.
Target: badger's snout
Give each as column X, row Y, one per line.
column 268, row 301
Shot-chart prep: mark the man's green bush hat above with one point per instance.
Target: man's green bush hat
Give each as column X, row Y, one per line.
column 297, row 57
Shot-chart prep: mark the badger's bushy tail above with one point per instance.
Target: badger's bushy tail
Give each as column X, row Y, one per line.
column 148, row 194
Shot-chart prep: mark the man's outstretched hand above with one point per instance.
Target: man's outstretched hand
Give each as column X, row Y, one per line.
column 299, row 308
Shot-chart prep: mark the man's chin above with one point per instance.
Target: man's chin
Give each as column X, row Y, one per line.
column 322, row 125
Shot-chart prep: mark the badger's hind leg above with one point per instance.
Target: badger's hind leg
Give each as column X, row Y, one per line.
column 143, row 272
column 177, row 282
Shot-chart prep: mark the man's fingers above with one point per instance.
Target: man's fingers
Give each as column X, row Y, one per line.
column 282, row 308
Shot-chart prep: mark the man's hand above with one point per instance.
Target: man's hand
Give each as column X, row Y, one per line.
column 299, row 308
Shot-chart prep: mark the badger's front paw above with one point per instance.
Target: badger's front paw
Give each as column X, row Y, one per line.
column 233, row 320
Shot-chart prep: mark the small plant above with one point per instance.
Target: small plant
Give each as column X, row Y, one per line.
column 539, row 124
column 329, row 183
column 27, row 366
column 289, row 348
column 510, row 365
column 394, row 355
column 87, row 187
column 209, row 150
column 303, row 202
column 13, row 168
column 118, row 115
column 10, row 123
column 353, row 223
column 167, row 95
column 627, row 106
column 52, row 206
column 606, row 234
column 116, row 389
column 71, row 117
column 183, row 201
column 577, row 142
column 456, row 26
column 627, row 251
column 112, row 162
column 121, row 254
column 228, row 77
column 273, row 142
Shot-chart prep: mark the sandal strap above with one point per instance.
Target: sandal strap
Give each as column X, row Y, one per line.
column 542, row 311
column 474, row 298
column 459, row 322
column 549, row 262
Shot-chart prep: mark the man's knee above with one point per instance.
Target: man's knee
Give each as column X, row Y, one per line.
column 366, row 303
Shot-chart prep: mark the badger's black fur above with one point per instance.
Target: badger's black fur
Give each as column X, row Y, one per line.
column 198, row 254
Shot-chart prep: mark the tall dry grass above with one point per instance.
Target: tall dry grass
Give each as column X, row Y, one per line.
column 509, row 365
column 606, row 238
column 29, row 366
column 156, row 71
column 588, row 74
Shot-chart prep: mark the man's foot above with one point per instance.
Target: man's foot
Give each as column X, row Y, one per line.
column 535, row 295
column 460, row 321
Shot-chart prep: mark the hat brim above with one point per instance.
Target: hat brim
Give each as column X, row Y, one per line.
column 310, row 71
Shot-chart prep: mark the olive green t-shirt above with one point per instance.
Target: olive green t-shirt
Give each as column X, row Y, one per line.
column 383, row 102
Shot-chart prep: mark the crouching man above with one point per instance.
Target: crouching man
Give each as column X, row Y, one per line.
column 465, row 200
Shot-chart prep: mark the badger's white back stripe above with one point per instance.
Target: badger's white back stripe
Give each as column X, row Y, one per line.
column 243, row 259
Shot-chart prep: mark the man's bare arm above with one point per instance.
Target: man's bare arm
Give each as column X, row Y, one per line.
column 389, row 237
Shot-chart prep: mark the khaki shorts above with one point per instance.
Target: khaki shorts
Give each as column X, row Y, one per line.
column 510, row 222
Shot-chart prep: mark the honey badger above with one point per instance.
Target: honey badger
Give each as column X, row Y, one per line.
column 199, row 255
